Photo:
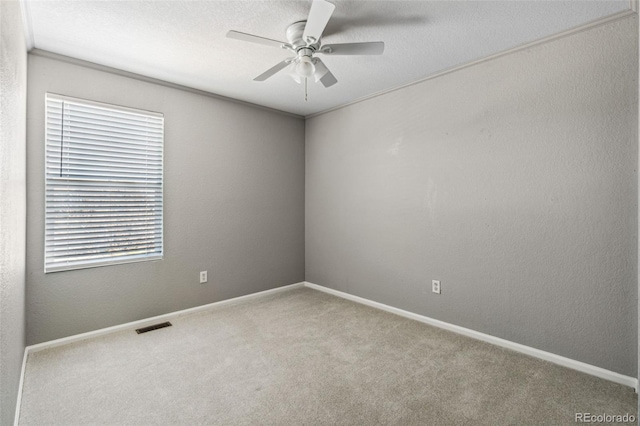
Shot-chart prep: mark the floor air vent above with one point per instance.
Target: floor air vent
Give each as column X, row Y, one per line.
column 153, row 327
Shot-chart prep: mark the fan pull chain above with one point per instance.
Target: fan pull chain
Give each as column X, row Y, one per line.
column 305, row 89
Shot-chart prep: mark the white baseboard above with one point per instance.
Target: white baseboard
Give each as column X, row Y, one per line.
column 537, row 353
column 152, row 320
column 16, row 417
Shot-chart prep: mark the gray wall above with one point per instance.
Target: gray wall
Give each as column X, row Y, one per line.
column 233, row 197
column 13, row 98
column 513, row 181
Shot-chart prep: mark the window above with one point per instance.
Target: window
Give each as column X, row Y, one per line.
column 103, row 202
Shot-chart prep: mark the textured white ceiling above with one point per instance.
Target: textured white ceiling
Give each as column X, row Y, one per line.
column 184, row 41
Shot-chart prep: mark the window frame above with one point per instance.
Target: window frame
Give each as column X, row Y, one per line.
column 118, row 260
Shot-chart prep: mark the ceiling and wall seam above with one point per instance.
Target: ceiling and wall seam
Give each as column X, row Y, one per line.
column 116, row 71
column 232, row 80
column 572, row 31
column 27, row 24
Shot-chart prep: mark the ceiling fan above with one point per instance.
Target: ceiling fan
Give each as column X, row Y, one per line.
column 305, row 40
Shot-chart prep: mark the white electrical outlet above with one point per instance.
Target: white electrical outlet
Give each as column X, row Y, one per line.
column 435, row 286
column 203, row 277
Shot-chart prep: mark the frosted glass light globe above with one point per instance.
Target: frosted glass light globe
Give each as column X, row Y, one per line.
column 305, row 67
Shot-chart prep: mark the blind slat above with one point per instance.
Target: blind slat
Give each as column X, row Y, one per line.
column 104, row 245
column 58, row 226
column 121, row 251
column 105, row 154
column 69, row 239
column 110, row 115
column 97, row 162
column 72, row 133
column 89, row 187
column 88, row 141
column 105, row 175
column 84, row 210
column 55, row 124
column 87, row 231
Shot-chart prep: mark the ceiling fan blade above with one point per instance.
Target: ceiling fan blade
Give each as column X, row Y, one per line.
column 319, row 16
column 328, row 80
column 367, row 48
column 323, row 74
column 273, row 70
column 321, row 69
column 255, row 39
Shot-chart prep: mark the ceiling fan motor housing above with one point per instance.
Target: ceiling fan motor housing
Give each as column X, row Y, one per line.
column 295, row 33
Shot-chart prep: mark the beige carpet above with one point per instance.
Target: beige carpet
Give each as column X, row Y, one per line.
column 302, row 357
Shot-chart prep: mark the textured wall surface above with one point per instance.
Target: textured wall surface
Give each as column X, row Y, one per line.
column 513, row 181
column 13, row 98
column 233, row 205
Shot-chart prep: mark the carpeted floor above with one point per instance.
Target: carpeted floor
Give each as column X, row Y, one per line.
column 302, row 357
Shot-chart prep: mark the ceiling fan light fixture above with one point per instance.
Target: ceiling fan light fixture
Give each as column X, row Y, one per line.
column 305, row 67
column 293, row 73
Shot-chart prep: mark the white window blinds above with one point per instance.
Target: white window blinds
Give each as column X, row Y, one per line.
column 103, row 200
